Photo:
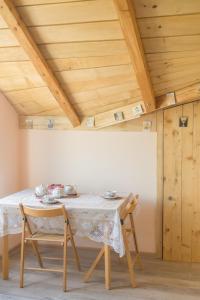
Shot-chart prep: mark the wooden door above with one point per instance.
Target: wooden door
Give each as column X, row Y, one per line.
column 181, row 209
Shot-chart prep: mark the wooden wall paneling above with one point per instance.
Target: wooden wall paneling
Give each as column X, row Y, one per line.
column 160, row 193
column 91, row 79
column 7, row 39
column 12, row 54
column 172, row 184
column 28, row 102
column 174, row 82
column 187, row 196
column 66, row 64
column 156, row 8
column 38, row 2
column 130, row 30
column 188, row 94
column 77, row 80
column 3, row 23
column 184, row 25
column 84, row 49
column 86, row 103
column 195, row 241
column 69, row 51
column 15, row 23
column 95, row 31
column 171, row 43
column 17, row 83
column 69, row 12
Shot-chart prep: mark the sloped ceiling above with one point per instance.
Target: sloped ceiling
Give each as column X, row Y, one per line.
column 84, row 45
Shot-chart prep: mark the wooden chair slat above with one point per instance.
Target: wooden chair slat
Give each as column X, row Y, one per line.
column 40, row 213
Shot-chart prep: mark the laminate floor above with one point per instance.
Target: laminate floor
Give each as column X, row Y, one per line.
column 157, row 281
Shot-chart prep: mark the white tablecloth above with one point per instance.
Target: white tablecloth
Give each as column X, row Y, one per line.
column 90, row 216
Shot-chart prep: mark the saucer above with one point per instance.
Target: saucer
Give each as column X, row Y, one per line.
column 49, row 202
column 71, row 195
column 111, row 197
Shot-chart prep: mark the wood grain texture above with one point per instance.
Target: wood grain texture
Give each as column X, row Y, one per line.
column 187, row 185
column 68, row 50
column 12, row 18
column 157, row 8
column 172, row 185
column 182, row 177
column 195, row 221
column 102, row 120
column 160, row 176
column 40, row 2
column 170, row 26
column 129, row 27
column 69, row 12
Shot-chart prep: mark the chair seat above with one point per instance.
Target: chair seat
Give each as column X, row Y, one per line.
column 38, row 236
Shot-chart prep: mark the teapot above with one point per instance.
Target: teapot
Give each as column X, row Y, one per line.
column 40, row 190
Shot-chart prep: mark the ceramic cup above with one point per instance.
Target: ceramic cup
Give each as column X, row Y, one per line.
column 57, row 192
column 69, row 189
column 48, row 199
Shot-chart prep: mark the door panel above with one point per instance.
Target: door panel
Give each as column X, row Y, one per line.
column 181, row 209
column 172, row 184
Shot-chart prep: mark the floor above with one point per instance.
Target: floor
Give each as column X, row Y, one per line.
column 157, row 281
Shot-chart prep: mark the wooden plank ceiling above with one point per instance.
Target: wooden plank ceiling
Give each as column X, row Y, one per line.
column 88, row 45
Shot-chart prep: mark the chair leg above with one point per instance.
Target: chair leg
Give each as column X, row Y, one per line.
column 22, row 261
column 77, row 259
column 129, row 260
column 65, row 266
column 37, row 253
column 92, row 268
column 138, row 257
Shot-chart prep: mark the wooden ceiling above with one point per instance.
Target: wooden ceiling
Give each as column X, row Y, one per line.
column 78, row 58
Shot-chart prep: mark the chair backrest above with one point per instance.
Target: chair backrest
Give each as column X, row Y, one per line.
column 28, row 211
column 131, row 203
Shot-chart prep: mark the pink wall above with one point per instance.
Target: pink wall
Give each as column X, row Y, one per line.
column 96, row 162
column 9, row 148
column 9, row 153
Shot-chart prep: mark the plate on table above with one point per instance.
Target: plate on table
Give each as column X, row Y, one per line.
column 53, row 201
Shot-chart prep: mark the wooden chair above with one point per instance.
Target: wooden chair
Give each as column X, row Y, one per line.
column 37, row 236
column 127, row 211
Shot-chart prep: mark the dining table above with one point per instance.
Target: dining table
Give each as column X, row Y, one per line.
column 90, row 215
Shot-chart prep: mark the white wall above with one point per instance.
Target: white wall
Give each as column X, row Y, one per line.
column 95, row 162
column 9, row 153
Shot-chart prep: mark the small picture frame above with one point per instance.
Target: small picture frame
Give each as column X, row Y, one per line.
column 29, row 124
column 90, row 122
column 119, row 116
column 50, row 124
column 183, row 121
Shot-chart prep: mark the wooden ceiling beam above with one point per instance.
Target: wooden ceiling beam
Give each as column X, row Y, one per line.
column 19, row 29
column 187, row 94
column 101, row 120
column 131, row 33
